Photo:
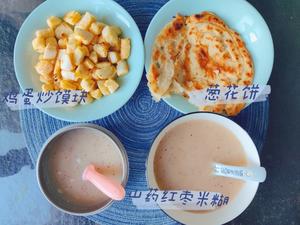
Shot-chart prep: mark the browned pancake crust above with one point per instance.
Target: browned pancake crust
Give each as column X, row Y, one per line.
column 194, row 52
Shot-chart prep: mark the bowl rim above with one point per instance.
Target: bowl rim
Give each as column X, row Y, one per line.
column 110, row 135
column 150, row 176
column 87, row 116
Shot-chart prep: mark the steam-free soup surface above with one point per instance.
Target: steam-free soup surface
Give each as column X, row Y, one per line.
column 71, row 153
column 184, row 158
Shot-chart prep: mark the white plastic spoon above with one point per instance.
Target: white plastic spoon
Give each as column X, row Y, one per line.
column 257, row 174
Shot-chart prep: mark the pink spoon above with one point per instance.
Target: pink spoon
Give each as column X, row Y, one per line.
column 109, row 187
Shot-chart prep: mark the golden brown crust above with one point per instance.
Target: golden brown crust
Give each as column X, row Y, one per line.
column 166, row 48
column 194, row 52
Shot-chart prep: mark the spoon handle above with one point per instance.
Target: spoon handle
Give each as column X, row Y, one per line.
column 109, row 187
column 257, row 174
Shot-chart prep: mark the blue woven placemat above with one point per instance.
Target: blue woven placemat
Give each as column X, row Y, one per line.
column 136, row 124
